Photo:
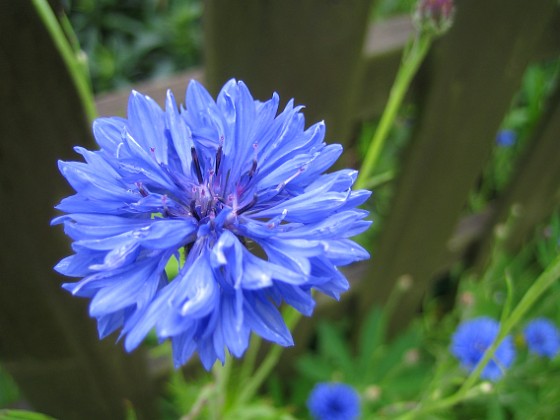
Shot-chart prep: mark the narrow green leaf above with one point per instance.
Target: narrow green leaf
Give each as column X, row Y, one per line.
column 333, row 345
column 23, row 415
column 371, row 338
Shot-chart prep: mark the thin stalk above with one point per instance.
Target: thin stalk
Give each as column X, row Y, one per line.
column 222, row 376
column 201, row 401
column 271, row 359
column 75, row 68
column 248, row 365
column 412, row 58
column 380, row 179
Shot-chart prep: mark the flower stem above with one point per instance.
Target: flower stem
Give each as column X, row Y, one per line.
column 76, row 69
column 222, row 376
column 252, row 385
column 412, row 58
column 248, row 365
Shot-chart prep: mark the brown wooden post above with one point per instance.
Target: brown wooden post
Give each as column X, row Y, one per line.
column 47, row 341
column 307, row 49
column 470, row 80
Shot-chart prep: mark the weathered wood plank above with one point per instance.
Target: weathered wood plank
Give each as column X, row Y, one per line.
column 303, row 49
column 48, row 343
column 115, row 103
column 469, row 82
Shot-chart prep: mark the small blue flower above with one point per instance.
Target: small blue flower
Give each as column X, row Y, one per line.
column 542, row 337
column 506, row 138
column 334, row 401
column 230, row 190
column 473, row 338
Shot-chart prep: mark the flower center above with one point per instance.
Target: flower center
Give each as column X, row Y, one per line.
column 206, row 203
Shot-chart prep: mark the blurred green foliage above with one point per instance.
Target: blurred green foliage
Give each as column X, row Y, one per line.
column 388, row 8
column 9, row 393
column 22, row 415
column 525, row 112
column 132, row 40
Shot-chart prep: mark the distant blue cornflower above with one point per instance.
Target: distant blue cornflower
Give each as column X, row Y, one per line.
column 334, row 401
column 473, row 338
column 542, row 337
column 506, row 138
column 233, row 191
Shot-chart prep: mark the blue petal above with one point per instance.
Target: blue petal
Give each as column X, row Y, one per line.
column 235, row 332
column 78, row 265
column 306, row 208
column 181, row 134
column 142, row 164
column 107, row 132
column 146, row 125
column 197, row 294
column 344, row 252
column 339, row 225
column 94, row 184
column 295, row 296
column 183, row 348
column 109, row 323
column 263, row 318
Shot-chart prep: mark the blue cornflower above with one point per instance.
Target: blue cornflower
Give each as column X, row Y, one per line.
column 542, row 337
column 506, row 138
column 334, row 401
column 473, row 338
column 234, row 192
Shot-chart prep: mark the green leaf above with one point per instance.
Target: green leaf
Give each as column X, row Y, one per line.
column 395, row 353
column 333, row 346
column 314, row 368
column 23, row 415
column 258, row 411
column 371, row 338
column 9, row 392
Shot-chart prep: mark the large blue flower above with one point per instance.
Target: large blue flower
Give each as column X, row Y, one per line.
column 232, row 191
column 473, row 338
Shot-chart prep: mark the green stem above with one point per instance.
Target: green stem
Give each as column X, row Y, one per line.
column 202, row 399
column 412, row 58
column 75, row 68
column 271, row 359
column 248, row 365
column 221, row 375
column 545, row 280
column 379, row 179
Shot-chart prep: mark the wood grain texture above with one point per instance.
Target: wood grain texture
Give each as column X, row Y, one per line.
column 47, row 341
column 304, row 49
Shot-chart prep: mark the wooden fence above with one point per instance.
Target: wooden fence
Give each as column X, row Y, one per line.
column 328, row 56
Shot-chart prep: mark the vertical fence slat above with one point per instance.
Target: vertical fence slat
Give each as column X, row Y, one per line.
column 307, row 49
column 47, row 342
column 472, row 76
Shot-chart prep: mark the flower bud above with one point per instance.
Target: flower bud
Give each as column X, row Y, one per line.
column 435, row 15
